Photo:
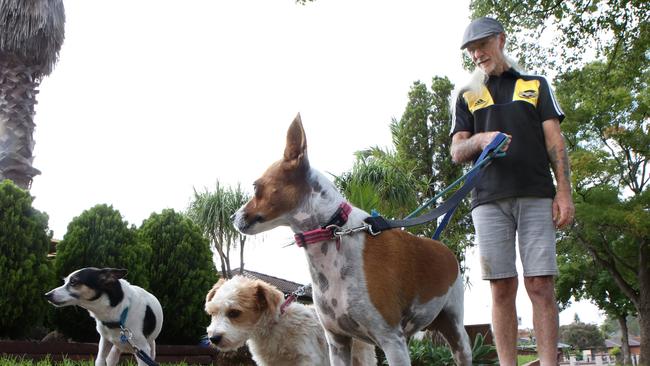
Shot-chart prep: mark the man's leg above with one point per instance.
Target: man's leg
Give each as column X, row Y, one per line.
column 541, row 291
column 504, row 319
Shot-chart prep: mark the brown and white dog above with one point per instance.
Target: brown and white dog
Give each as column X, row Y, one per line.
column 380, row 289
column 245, row 310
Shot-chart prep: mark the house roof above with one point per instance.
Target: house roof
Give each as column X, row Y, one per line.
column 287, row 287
column 616, row 342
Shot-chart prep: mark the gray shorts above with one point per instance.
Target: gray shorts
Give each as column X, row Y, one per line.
column 528, row 219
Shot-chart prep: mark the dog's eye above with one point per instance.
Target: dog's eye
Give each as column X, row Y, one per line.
column 233, row 313
column 74, row 282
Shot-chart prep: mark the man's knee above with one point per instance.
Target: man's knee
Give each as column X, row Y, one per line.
column 540, row 288
column 504, row 290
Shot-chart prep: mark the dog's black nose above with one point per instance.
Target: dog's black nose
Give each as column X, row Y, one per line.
column 215, row 339
column 48, row 296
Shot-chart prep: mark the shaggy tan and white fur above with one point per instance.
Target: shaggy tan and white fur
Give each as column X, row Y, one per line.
column 247, row 311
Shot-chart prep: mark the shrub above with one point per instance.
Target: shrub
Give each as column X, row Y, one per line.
column 181, row 273
column 99, row 237
column 24, row 268
column 424, row 352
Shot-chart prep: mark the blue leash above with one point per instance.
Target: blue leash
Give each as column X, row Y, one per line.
column 471, row 178
column 126, row 335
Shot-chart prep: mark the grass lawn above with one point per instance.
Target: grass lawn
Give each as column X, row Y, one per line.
column 18, row 361
column 521, row 359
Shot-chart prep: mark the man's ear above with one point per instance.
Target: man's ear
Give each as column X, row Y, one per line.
column 501, row 38
column 295, row 151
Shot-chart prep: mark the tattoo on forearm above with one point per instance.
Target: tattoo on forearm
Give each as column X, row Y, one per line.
column 559, row 160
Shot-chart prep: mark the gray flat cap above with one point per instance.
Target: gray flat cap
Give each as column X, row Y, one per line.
column 481, row 28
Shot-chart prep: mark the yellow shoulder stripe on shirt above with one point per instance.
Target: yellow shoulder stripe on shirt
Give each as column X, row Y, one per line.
column 475, row 101
column 526, row 90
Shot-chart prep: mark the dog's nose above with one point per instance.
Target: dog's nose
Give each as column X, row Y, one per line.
column 215, row 339
column 48, row 296
column 233, row 216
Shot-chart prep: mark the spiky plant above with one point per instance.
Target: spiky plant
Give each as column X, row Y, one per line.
column 31, row 35
column 211, row 211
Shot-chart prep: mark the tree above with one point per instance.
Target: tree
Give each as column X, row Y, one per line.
column 398, row 182
column 379, row 181
column 180, row 274
column 605, row 96
column 582, row 336
column 581, row 277
column 581, row 30
column 607, row 129
column 31, row 35
column 24, row 269
column 421, row 138
column 211, row 211
column 99, row 237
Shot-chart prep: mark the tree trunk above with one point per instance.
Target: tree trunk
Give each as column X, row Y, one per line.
column 643, row 308
column 644, row 325
column 242, row 241
column 17, row 100
column 625, row 342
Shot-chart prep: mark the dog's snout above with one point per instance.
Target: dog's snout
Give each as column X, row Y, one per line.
column 49, row 296
column 215, row 339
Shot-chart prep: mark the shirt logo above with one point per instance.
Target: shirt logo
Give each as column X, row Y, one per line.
column 479, row 102
column 528, row 94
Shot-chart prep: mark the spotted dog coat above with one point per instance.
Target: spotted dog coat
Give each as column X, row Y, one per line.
column 380, row 289
column 106, row 295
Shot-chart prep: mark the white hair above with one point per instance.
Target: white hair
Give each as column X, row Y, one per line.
column 477, row 79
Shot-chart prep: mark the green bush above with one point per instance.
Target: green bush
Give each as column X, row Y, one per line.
column 99, row 237
column 424, row 352
column 25, row 272
column 181, row 273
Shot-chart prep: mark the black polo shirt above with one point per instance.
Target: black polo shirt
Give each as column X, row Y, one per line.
column 515, row 104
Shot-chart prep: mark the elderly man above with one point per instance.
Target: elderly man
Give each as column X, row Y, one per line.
column 516, row 197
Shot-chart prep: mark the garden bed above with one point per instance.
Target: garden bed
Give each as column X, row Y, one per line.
column 57, row 351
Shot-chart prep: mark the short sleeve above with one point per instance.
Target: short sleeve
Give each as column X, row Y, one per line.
column 462, row 119
column 547, row 104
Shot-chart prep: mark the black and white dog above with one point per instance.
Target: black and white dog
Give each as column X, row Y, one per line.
column 116, row 305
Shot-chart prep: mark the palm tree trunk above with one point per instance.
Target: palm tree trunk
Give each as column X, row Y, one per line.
column 242, row 241
column 17, row 100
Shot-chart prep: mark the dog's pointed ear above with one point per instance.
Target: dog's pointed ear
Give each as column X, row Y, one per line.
column 295, row 152
column 214, row 289
column 268, row 298
column 107, row 275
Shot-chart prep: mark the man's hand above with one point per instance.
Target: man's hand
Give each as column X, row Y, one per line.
column 487, row 137
column 563, row 209
column 465, row 146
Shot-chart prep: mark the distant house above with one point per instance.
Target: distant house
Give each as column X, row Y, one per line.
column 633, row 342
column 287, row 287
column 51, row 253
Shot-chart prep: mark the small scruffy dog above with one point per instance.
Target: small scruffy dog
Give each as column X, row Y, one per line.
column 245, row 310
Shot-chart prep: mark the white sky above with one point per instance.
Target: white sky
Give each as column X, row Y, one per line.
column 151, row 99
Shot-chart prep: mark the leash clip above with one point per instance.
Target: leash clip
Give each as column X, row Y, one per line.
column 125, row 334
column 368, row 227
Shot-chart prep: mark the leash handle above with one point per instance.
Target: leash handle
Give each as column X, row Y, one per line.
column 492, row 150
column 378, row 224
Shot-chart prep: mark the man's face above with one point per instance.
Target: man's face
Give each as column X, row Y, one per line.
column 487, row 53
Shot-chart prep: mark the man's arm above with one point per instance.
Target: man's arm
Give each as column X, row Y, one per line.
column 465, row 146
column 563, row 209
